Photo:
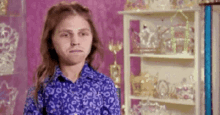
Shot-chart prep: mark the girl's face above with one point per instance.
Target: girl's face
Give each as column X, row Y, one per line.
column 72, row 40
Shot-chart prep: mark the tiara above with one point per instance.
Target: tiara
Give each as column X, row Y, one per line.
column 145, row 107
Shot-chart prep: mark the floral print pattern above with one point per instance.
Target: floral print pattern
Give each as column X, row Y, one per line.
column 92, row 94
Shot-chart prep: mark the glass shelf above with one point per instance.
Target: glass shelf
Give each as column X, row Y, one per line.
column 173, row 101
column 167, row 56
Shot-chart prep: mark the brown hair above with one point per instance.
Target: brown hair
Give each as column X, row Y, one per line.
column 49, row 56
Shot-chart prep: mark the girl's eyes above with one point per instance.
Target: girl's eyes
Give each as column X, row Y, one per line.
column 83, row 34
column 67, row 35
column 64, row 35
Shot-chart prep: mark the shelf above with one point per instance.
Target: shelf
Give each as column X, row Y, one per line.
column 176, row 56
column 157, row 11
column 210, row 3
column 173, row 101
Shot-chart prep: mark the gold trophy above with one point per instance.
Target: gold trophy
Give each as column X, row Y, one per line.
column 3, row 7
column 115, row 69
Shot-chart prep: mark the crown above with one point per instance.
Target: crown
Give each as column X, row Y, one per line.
column 144, row 84
column 148, row 108
column 8, row 45
column 7, row 98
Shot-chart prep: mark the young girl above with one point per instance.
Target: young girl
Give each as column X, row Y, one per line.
column 67, row 83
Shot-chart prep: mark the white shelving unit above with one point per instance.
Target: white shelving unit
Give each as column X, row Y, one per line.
column 147, row 60
column 215, row 58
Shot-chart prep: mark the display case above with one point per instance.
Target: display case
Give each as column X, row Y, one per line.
column 169, row 45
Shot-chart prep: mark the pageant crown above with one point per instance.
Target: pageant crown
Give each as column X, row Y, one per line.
column 145, row 107
column 8, row 45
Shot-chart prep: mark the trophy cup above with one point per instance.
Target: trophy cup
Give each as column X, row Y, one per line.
column 3, row 7
column 115, row 69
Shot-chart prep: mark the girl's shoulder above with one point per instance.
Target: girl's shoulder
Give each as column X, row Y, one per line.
column 30, row 92
column 106, row 80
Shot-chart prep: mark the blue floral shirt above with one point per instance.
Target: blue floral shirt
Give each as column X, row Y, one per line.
column 92, row 94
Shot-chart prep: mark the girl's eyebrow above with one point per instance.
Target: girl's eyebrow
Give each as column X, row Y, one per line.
column 69, row 30
column 65, row 30
column 84, row 29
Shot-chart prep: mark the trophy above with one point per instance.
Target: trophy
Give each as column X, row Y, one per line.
column 115, row 69
column 3, row 7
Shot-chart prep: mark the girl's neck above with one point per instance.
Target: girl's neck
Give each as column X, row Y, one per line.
column 72, row 72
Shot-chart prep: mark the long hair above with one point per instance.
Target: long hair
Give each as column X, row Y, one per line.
column 49, row 56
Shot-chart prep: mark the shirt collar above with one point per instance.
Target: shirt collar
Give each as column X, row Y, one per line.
column 87, row 72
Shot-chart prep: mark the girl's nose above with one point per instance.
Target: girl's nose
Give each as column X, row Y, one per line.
column 74, row 41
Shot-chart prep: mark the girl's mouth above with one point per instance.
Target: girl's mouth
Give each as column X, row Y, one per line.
column 73, row 51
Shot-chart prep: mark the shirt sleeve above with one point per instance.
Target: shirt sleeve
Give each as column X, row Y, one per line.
column 111, row 104
column 30, row 107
